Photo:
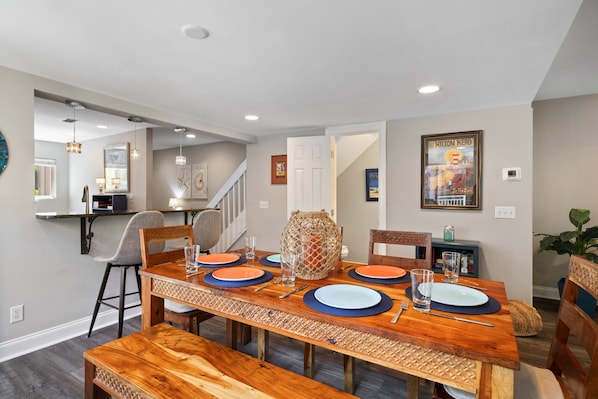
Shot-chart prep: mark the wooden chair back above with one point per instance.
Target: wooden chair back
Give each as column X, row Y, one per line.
column 161, row 235
column 574, row 378
column 421, row 243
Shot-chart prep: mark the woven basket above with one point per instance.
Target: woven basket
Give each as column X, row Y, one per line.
column 316, row 239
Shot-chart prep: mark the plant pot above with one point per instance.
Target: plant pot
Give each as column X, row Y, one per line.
column 585, row 301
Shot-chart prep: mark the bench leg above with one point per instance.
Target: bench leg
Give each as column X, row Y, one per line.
column 92, row 391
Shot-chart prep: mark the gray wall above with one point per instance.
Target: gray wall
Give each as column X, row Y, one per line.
column 222, row 160
column 565, row 168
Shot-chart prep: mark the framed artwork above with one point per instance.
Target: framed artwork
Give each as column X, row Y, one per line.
column 183, row 181
column 278, row 173
column 371, row 184
column 451, row 171
column 116, row 168
column 199, row 181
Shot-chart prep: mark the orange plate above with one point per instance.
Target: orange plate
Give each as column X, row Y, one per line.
column 237, row 273
column 380, row 271
column 218, row 259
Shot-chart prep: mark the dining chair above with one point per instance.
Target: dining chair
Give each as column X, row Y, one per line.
column 174, row 312
column 207, row 229
column 569, row 373
column 128, row 254
column 420, row 243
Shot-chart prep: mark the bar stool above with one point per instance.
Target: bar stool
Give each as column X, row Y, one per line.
column 128, row 254
column 206, row 229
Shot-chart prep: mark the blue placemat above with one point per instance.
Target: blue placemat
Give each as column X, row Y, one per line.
column 310, row 300
column 238, row 262
column 266, row 262
column 492, row 306
column 208, row 278
column 405, row 279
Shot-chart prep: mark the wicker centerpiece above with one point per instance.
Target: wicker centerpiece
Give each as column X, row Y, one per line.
column 317, row 240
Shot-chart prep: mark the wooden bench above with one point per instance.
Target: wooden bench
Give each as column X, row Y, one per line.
column 166, row 362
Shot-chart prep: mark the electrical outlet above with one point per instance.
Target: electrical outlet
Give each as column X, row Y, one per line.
column 16, row 313
column 504, row 212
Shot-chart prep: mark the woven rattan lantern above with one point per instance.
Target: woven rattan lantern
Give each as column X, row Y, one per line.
column 316, row 239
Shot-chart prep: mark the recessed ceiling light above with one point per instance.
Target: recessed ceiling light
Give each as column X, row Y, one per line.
column 193, row 31
column 428, row 89
column 102, row 127
column 190, row 136
column 252, row 117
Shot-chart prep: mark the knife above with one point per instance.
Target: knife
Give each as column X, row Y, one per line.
column 304, row 286
column 483, row 323
column 472, row 286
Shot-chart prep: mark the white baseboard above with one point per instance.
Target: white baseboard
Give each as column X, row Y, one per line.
column 42, row 339
column 546, row 292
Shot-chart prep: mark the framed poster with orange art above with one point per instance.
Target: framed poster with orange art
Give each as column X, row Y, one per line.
column 451, row 171
column 278, row 173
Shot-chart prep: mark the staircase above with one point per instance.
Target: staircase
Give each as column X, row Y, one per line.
column 231, row 199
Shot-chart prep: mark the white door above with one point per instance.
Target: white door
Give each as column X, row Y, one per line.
column 311, row 178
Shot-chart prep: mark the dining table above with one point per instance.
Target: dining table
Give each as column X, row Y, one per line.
column 476, row 358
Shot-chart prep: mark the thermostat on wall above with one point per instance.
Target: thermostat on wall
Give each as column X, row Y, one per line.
column 511, row 173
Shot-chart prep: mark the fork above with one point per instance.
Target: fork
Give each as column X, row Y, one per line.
column 404, row 306
column 261, row 287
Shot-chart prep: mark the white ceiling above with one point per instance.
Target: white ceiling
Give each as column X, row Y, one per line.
column 303, row 64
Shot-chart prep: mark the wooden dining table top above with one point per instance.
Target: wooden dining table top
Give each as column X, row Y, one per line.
column 490, row 346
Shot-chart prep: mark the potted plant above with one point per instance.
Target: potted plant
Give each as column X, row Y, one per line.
column 576, row 242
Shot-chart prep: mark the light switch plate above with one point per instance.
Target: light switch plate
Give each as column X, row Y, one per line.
column 504, row 212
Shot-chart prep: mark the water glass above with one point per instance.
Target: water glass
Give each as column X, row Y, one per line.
column 250, row 247
column 451, row 262
column 422, row 281
column 191, row 254
column 288, row 268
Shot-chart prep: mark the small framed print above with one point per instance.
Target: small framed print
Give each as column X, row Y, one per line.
column 279, row 169
column 451, row 171
column 371, row 184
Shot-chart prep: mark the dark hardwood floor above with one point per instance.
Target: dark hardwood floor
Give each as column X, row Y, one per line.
column 57, row 371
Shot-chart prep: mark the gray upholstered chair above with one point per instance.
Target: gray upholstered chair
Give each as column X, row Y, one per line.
column 206, row 229
column 127, row 255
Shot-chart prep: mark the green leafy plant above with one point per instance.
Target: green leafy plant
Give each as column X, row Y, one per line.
column 576, row 242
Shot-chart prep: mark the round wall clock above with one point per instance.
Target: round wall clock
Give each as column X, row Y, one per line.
column 3, row 153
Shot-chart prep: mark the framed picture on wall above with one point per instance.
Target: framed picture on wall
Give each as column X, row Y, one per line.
column 199, row 186
column 116, row 168
column 278, row 174
column 451, row 171
column 371, row 184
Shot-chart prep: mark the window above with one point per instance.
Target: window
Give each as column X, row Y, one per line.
column 45, row 178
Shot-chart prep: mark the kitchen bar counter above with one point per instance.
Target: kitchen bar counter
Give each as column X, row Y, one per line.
column 87, row 220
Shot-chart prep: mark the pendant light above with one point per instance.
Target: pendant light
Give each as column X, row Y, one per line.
column 180, row 159
column 135, row 154
column 73, row 147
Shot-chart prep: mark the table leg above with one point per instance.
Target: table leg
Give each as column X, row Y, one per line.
column 308, row 360
column 349, row 367
column 412, row 387
column 152, row 307
column 263, row 340
column 232, row 327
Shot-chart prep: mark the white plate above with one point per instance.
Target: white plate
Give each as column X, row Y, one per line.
column 457, row 295
column 347, row 296
column 458, row 394
column 274, row 258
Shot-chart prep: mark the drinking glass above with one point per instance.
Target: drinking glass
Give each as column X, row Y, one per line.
column 191, row 254
column 422, row 281
column 451, row 262
column 250, row 247
column 288, row 268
